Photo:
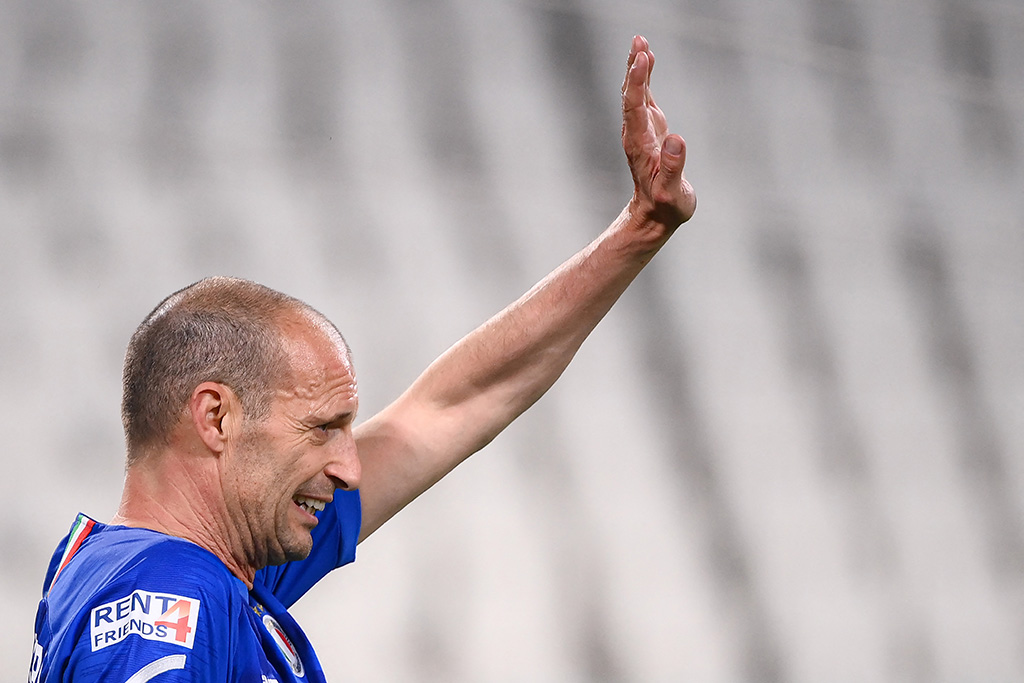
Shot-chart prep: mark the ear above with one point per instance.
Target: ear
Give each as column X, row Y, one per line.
column 216, row 413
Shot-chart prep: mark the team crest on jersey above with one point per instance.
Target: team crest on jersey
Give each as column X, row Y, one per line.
column 154, row 616
column 284, row 644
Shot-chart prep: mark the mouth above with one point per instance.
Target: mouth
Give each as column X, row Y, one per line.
column 310, row 505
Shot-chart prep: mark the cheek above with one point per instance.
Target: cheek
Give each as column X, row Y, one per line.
column 261, row 482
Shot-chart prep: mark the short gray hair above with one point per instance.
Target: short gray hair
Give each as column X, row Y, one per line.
column 219, row 329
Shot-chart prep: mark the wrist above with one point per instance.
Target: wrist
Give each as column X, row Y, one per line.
column 647, row 227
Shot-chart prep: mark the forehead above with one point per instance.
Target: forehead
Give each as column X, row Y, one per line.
column 318, row 359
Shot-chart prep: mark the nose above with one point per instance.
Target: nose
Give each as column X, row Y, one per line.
column 344, row 467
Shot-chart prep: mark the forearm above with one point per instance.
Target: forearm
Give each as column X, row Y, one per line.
column 500, row 369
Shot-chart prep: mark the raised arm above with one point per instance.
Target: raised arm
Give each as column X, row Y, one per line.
column 487, row 379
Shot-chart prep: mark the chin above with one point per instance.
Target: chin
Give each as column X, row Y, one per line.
column 298, row 555
column 298, row 550
column 290, row 550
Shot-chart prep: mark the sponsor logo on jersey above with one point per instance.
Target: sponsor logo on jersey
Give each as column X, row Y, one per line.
column 154, row 616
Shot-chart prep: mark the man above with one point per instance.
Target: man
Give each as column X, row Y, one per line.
column 247, row 480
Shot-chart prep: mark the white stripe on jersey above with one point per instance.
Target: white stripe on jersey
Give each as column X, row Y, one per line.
column 168, row 663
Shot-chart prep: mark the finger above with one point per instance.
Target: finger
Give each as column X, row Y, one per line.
column 655, row 113
column 638, row 45
column 658, row 123
column 634, row 111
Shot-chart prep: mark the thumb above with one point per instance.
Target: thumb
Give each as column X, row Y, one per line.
column 670, row 186
column 673, row 158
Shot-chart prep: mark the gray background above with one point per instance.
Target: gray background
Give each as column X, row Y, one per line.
column 792, row 453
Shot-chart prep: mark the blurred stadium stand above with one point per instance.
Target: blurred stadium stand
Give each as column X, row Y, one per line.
column 793, row 452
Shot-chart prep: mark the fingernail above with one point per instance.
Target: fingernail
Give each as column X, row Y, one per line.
column 674, row 146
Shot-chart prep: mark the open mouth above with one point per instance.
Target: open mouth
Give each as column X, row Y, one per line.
column 310, row 505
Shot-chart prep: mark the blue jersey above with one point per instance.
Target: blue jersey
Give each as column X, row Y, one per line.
column 126, row 605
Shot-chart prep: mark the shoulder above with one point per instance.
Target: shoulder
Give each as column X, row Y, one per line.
column 121, row 574
column 121, row 556
column 129, row 595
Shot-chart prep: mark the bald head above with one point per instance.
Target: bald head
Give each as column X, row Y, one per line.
column 220, row 329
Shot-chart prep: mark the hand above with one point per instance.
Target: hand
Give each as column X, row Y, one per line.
column 656, row 157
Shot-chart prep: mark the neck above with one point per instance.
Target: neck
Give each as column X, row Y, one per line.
column 163, row 495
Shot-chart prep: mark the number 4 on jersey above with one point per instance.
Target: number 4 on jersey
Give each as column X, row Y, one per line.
column 176, row 619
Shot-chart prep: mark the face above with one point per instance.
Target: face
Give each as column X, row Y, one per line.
column 287, row 466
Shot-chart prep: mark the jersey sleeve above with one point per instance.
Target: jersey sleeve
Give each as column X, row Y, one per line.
column 334, row 544
column 176, row 617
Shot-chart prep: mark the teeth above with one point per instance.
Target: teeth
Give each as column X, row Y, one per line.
column 310, row 505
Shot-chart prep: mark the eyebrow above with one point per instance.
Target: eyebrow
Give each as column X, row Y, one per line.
column 346, row 416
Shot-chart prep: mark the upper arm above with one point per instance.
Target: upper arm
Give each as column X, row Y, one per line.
column 394, row 463
column 409, row 446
